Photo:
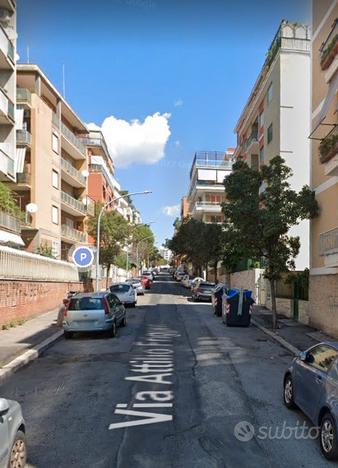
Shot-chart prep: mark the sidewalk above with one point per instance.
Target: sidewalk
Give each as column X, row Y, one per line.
column 23, row 343
column 296, row 334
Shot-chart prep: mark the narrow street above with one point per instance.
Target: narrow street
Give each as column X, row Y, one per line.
column 220, row 377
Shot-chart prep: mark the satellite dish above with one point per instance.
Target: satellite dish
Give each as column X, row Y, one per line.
column 85, row 173
column 31, row 208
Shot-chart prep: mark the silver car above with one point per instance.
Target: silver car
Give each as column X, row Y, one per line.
column 13, row 448
column 125, row 292
column 89, row 312
column 137, row 285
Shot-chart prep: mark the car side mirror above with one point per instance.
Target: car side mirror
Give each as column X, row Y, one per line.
column 303, row 356
column 4, row 405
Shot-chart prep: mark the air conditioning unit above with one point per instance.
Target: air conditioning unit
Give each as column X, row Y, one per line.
column 5, row 17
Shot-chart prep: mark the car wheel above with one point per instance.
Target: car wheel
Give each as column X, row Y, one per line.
column 328, row 437
column 124, row 322
column 112, row 331
column 18, row 453
column 68, row 335
column 288, row 392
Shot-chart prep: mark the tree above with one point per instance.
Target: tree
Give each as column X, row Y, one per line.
column 113, row 237
column 260, row 222
column 142, row 241
column 8, row 202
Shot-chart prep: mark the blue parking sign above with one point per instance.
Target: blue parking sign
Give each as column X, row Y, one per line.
column 83, row 256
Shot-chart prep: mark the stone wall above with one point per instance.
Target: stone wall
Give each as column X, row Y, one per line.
column 323, row 295
column 247, row 279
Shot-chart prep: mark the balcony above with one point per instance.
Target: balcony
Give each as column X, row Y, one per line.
column 23, row 138
column 6, row 109
column 209, row 206
column 251, row 144
column 71, row 175
column 328, row 147
column 73, row 235
column 72, row 206
column 9, row 222
column 329, row 48
column 73, row 145
column 23, row 181
column 96, row 139
column 7, row 54
column 23, row 97
column 328, row 247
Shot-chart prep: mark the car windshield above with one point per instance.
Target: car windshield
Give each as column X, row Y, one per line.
column 120, row 288
column 86, row 303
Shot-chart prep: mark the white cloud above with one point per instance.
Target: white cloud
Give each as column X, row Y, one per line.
column 173, row 210
column 179, row 102
column 135, row 141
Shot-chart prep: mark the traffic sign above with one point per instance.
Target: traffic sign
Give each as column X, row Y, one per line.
column 83, row 256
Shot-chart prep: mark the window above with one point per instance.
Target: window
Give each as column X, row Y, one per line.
column 261, row 155
column 55, row 143
column 322, row 357
column 113, row 300
column 269, row 94
column 270, row 133
column 55, row 179
column 55, row 215
column 261, row 119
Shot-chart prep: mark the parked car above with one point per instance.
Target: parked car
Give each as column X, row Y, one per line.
column 146, row 282
column 186, row 281
column 13, row 447
column 196, row 280
column 180, row 275
column 89, row 312
column 148, row 274
column 202, row 291
column 125, row 292
column 137, row 285
column 311, row 384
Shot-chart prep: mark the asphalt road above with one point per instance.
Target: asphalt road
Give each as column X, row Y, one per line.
column 81, row 397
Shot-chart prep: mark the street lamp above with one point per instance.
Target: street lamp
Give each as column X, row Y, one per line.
column 145, row 192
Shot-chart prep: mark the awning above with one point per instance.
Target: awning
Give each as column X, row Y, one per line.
column 321, row 124
column 10, row 238
column 20, row 159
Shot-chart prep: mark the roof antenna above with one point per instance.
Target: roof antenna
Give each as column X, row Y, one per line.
column 64, row 81
column 28, row 54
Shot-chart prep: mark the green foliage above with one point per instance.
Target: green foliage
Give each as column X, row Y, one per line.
column 260, row 223
column 8, row 202
column 45, row 250
column 327, row 144
column 114, row 234
column 328, row 49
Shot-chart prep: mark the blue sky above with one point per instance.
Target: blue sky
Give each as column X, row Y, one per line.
column 195, row 60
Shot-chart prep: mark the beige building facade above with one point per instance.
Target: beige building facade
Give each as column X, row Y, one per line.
column 276, row 118
column 53, row 173
column 324, row 167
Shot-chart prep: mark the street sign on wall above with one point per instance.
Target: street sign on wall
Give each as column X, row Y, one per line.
column 83, row 256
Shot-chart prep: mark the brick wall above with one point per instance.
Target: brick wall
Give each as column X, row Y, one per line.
column 27, row 299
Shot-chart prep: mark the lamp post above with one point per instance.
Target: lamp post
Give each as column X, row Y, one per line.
column 145, row 192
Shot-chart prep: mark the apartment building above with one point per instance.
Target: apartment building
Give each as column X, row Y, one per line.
column 206, row 191
column 324, row 167
column 276, row 118
column 52, row 171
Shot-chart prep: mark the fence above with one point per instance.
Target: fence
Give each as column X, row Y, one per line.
column 16, row 264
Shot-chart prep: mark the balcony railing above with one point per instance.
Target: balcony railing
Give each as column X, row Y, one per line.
column 329, row 48
column 328, row 147
column 73, row 202
column 73, row 234
column 209, row 182
column 73, row 139
column 23, row 178
column 97, row 141
column 328, row 242
column 9, row 222
column 55, row 119
column 6, row 45
column 23, row 137
column 23, row 95
column 72, row 171
column 91, row 208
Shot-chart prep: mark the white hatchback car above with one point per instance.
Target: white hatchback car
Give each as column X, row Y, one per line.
column 13, row 448
column 125, row 292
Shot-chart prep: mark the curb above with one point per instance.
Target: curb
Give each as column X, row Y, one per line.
column 28, row 356
column 277, row 338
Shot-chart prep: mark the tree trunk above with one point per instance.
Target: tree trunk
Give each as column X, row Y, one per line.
column 273, row 304
column 107, row 276
column 216, row 271
column 228, row 279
